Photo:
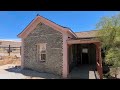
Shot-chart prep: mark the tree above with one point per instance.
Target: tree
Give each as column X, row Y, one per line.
column 113, row 57
column 109, row 31
column 109, row 35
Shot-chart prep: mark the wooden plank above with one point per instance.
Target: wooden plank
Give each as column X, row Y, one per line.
column 10, row 47
column 82, row 41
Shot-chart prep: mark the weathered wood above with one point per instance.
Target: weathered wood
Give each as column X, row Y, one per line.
column 81, row 41
column 9, row 50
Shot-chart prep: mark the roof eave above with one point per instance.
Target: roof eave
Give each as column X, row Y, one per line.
column 20, row 34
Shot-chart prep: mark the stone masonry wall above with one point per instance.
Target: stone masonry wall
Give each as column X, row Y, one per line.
column 54, row 55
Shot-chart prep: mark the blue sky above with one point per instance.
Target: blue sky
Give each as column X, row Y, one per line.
column 13, row 22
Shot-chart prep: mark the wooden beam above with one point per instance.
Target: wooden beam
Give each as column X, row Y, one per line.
column 81, row 41
column 99, row 60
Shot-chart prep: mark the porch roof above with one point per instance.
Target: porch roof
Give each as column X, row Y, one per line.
column 87, row 34
column 82, row 41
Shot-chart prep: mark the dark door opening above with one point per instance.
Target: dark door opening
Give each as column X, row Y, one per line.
column 82, row 55
column 85, row 58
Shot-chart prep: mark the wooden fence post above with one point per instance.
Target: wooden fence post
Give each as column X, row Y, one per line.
column 9, row 50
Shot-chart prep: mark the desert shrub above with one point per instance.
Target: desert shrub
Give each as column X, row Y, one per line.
column 113, row 58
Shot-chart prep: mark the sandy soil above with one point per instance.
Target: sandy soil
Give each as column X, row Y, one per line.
column 10, row 60
column 11, row 71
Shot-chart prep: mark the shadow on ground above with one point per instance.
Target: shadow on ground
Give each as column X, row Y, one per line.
column 32, row 74
column 83, row 72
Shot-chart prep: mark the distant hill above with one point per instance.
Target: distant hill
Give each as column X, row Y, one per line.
column 5, row 43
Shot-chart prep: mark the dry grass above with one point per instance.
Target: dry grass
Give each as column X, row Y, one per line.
column 10, row 60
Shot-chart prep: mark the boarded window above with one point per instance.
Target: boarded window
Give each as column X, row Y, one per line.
column 41, row 51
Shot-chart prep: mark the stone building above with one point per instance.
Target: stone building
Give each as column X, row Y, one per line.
column 49, row 47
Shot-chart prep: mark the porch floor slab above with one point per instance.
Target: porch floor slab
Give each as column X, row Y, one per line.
column 84, row 72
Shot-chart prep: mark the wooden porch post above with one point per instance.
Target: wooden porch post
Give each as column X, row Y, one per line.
column 99, row 60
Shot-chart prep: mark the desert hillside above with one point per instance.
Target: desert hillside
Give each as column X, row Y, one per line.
column 4, row 43
column 14, row 47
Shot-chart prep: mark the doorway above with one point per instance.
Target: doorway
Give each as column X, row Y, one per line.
column 82, row 61
column 84, row 56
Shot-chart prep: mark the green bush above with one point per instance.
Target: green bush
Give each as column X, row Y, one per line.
column 113, row 57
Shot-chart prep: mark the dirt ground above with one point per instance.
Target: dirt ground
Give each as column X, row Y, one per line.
column 10, row 69
column 10, row 60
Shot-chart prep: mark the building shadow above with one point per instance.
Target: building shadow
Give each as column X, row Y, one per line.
column 31, row 73
column 83, row 72
column 79, row 72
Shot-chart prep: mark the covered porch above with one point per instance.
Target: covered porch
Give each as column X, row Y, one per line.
column 83, row 72
column 83, row 53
